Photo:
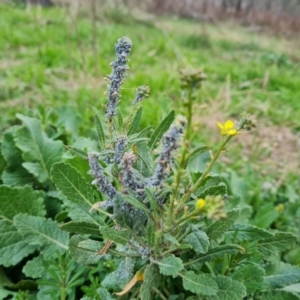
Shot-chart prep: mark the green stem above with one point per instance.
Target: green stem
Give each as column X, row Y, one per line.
column 159, row 293
column 187, row 195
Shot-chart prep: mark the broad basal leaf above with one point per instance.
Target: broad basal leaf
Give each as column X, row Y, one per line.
column 34, row 268
column 280, row 274
column 198, row 240
column 279, row 242
column 80, row 227
column 151, row 279
column 42, row 232
column 85, row 251
column 252, row 276
column 38, row 151
column 216, row 252
column 77, row 191
column 161, row 129
column 14, row 173
column 217, row 229
column 170, row 266
column 121, row 237
column 228, row 289
column 199, row 283
column 292, row 288
column 13, row 248
column 243, row 232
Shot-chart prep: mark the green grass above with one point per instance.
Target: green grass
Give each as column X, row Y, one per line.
column 48, row 60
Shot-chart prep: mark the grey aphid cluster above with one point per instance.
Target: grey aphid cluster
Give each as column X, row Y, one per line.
column 169, row 145
column 100, row 180
column 128, row 176
column 123, row 48
column 141, row 93
column 120, row 145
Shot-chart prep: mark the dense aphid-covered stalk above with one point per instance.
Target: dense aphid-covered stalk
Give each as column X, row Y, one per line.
column 123, row 48
column 169, row 145
column 100, row 180
column 128, row 177
column 141, row 93
column 120, row 145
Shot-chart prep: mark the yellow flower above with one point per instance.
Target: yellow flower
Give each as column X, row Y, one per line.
column 227, row 128
column 200, row 204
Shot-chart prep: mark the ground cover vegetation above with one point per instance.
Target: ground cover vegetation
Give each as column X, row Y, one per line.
column 161, row 216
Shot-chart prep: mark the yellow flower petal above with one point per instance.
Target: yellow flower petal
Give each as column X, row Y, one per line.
column 200, row 204
column 220, row 125
column 229, row 124
column 232, row 132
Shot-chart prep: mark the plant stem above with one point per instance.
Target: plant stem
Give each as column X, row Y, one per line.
column 159, row 293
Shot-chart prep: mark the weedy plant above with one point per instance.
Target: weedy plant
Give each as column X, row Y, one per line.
column 164, row 227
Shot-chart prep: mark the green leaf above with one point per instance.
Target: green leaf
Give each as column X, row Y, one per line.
column 13, row 248
column 136, row 203
column 228, row 289
column 265, row 216
column 43, row 233
column 82, row 252
column 217, row 229
column 119, row 237
column 120, row 119
column 199, row 283
column 34, row 268
column 244, row 232
column 151, row 279
column 161, row 129
column 280, row 274
column 170, row 266
column 78, row 152
column 120, row 277
column 100, row 132
column 279, row 295
column 104, row 294
column 198, row 240
column 144, row 162
column 292, row 288
column 150, row 234
column 279, row 242
column 80, row 227
column 38, row 151
column 135, row 122
column 217, row 252
column 195, row 153
column 152, row 200
column 79, row 193
column 14, row 174
column 220, row 189
column 252, row 276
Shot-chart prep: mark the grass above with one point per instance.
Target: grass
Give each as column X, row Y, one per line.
column 49, row 59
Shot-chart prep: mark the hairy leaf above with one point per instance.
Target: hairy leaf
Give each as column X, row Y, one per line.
column 104, row 294
column 38, row 151
column 228, row 289
column 78, row 152
column 279, row 242
column 280, row 274
column 136, row 203
column 161, row 129
column 195, row 153
column 135, row 122
column 151, row 279
column 34, row 268
column 170, row 266
column 77, row 191
column 217, row 229
column 43, row 233
column 217, row 252
column 199, row 283
column 292, row 288
column 13, row 248
column 220, row 189
column 152, row 200
column 198, row 240
column 80, row 227
column 14, row 174
column 121, row 237
column 246, row 232
column 83, row 254
column 252, row 276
